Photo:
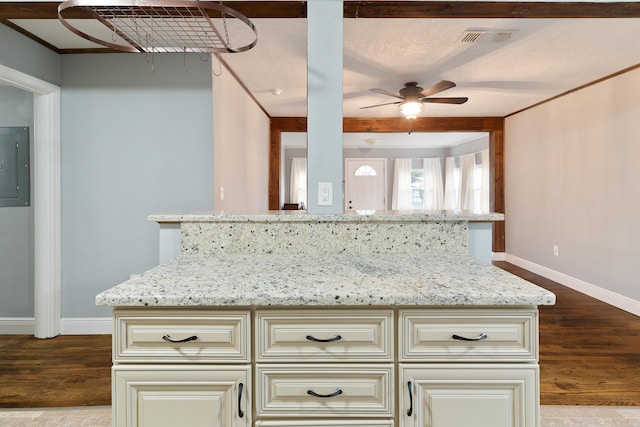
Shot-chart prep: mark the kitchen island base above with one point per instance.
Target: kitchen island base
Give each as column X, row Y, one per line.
column 334, row 367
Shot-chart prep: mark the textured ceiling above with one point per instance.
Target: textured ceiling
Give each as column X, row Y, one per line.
column 541, row 59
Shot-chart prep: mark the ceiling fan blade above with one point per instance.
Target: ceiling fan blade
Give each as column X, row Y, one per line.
column 438, row 87
column 461, row 100
column 386, row 92
column 380, row 105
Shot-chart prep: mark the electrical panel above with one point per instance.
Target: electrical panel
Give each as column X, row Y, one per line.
column 15, row 167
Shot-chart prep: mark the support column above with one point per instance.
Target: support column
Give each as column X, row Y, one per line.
column 324, row 104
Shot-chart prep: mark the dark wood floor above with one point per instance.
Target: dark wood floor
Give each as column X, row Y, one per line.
column 589, row 350
column 589, row 355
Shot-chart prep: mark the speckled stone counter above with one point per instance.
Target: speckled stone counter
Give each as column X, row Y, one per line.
column 330, row 280
column 296, row 232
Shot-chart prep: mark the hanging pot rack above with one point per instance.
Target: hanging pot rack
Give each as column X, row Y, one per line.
column 152, row 26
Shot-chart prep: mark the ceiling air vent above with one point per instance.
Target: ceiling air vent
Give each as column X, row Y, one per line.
column 485, row 36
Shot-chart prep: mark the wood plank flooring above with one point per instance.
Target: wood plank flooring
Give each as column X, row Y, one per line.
column 589, row 350
column 589, row 355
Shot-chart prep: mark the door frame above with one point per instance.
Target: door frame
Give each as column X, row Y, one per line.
column 494, row 126
column 45, row 198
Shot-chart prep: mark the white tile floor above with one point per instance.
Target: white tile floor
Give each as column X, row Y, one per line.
column 552, row 416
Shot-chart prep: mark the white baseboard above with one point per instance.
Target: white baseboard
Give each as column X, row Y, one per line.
column 86, row 326
column 620, row 301
column 17, row 325
column 498, row 256
column 68, row 326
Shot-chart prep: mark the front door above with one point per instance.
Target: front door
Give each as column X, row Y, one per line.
column 365, row 184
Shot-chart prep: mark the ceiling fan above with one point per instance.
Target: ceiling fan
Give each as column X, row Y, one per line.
column 413, row 96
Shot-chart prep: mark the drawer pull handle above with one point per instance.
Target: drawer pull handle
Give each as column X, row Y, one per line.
column 338, row 392
column 167, row 338
column 480, row 337
column 240, row 388
column 332, row 339
column 410, row 388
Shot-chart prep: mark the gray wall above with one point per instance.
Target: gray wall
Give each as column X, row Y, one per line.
column 16, row 223
column 134, row 142
column 571, row 180
column 23, row 54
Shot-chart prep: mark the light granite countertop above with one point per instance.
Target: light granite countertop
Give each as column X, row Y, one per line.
column 325, row 280
column 349, row 216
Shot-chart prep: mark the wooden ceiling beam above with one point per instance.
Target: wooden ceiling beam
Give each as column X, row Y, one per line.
column 381, row 9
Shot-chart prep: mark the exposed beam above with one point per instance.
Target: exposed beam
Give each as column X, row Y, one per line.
column 381, row 9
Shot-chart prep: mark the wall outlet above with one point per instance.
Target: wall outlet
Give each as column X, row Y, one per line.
column 221, row 193
column 556, row 251
column 325, row 194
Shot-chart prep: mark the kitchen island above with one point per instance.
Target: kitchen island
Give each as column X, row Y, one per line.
column 291, row 320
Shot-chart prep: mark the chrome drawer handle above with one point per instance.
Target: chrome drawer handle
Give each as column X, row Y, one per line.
column 480, row 337
column 336, row 338
column 167, row 338
column 338, row 392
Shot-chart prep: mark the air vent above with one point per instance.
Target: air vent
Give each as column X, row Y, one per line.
column 470, row 36
column 485, row 36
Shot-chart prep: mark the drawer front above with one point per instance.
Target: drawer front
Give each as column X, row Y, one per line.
column 468, row 335
column 181, row 337
column 326, row 423
column 317, row 391
column 324, row 335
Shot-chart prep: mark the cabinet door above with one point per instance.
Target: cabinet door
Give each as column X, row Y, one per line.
column 171, row 395
column 463, row 395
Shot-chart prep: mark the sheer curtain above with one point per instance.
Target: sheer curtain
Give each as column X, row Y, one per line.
column 467, row 165
column 486, row 184
column 433, row 188
column 298, row 181
column 451, row 185
column 401, row 185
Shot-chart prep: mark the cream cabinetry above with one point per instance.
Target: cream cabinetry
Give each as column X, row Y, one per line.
column 462, row 395
column 181, row 395
column 330, row 367
column 182, row 367
column 331, row 364
column 495, row 382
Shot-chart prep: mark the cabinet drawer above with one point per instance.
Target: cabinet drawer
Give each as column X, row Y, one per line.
column 324, row 335
column 326, row 423
column 477, row 335
column 197, row 336
column 316, row 391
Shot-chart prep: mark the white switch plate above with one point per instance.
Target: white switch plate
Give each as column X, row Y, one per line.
column 325, row 194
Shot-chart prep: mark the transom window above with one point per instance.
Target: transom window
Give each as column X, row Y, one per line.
column 365, row 170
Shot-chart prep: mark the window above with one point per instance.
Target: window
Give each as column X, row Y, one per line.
column 365, row 170
column 417, row 188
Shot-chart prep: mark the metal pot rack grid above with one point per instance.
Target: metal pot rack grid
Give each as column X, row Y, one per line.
column 160, row 26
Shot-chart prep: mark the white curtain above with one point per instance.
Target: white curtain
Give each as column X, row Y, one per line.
column 451, row 185
column 486, row 184
column 485, row 189
column 467, row 165
column 298, row 181
column 401, row 185
column 433, row 186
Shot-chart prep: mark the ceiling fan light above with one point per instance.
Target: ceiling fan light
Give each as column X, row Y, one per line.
column 411, row 109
